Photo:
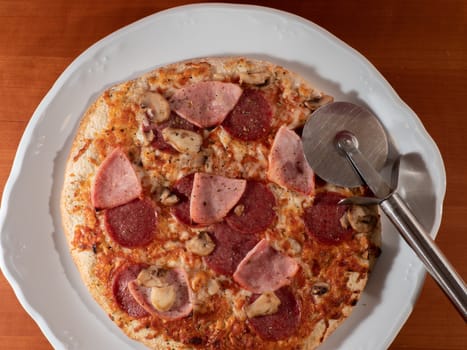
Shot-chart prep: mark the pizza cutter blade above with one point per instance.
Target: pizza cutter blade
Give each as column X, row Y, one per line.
column 346, row 145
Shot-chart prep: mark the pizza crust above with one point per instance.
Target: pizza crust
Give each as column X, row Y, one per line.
column 97, row 136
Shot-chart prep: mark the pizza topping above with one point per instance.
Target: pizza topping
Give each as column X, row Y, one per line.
column 133, row 224
column 184, row 141
column 281, row 324
column 265, row 269
column 213, row 196
column 320, row 288
column 201, row 244
column 314, row 102
column 163, row 298
column 206, row 103
column 255, row 209
column 183, row 188
column 256, row 78
column 266, row 304
column 323, row 219
column 169, row 299
column 157, row 107
column 287, row 164
column 153, row 276
column 122, row 295
column 168, row 198
column 362, row 218
column 116, row 182
column 251, row 118
column 230, row 249
column 174, row 122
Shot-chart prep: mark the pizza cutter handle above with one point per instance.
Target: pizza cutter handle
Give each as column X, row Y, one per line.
column 427, row 250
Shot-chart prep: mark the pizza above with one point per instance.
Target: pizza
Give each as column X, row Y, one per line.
column 195, row 220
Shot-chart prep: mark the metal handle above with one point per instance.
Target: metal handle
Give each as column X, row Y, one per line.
column 427, row 250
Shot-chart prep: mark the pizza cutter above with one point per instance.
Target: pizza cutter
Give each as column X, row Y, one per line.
column 346, row 145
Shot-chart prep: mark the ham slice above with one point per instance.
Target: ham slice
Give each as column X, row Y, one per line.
column 183, row 304
column 213, row 196
column 287, row 164
column 116, row 182
column 206, row 103
column 265, row 269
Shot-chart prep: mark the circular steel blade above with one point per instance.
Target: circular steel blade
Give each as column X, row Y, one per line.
column 321, row 152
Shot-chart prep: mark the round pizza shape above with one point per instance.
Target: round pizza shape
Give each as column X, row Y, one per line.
column 195, row 220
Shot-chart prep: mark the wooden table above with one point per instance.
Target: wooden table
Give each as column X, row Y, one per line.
column 419, row 46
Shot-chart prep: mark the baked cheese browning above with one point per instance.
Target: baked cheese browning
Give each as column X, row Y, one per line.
column 319, row 279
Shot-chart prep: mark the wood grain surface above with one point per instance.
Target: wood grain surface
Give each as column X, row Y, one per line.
column 420, row 47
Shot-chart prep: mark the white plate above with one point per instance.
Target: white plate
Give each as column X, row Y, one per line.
column 34, row 256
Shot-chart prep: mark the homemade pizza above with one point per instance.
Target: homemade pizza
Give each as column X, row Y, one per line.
column 195, row 220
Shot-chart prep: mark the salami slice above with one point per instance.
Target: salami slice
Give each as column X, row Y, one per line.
column 124, row 275
column 181, row 211
column 254, row 211
column 132, row 224
column 230, row 249
column 323, row 219
column 184, row 185
column 251, row 118
column 281, row 324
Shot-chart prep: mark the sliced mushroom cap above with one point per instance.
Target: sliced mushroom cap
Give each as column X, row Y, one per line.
column 254, row 78
column 201, row 244
column 362, row 218
column 317, row 101
column 184, row 141
column 153, row 276
column 168, row 198
column 266, row 304
column 239, row 209
column 320, row 288
column 163, row 298
column 157, row 107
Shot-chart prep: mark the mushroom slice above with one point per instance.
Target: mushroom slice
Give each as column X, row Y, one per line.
column 184, row 141
column 320, row 288
column 157, row 106
column 266, row 304
column 317, row 101
column 168, row 198
column 362, row 218
column 163, row 298
column 257, row 78
column 201, row 244
column 153, row 276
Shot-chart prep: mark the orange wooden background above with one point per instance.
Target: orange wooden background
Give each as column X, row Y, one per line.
column 419, row 46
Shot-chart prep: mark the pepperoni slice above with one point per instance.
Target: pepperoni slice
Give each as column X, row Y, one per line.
column 132, row 224
column 283, row 323
column 181, row 210
column 230, row 249
column 122, row 295
column 251, row 118
column 254, row 211
column 184, row 185
column 322, row 219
